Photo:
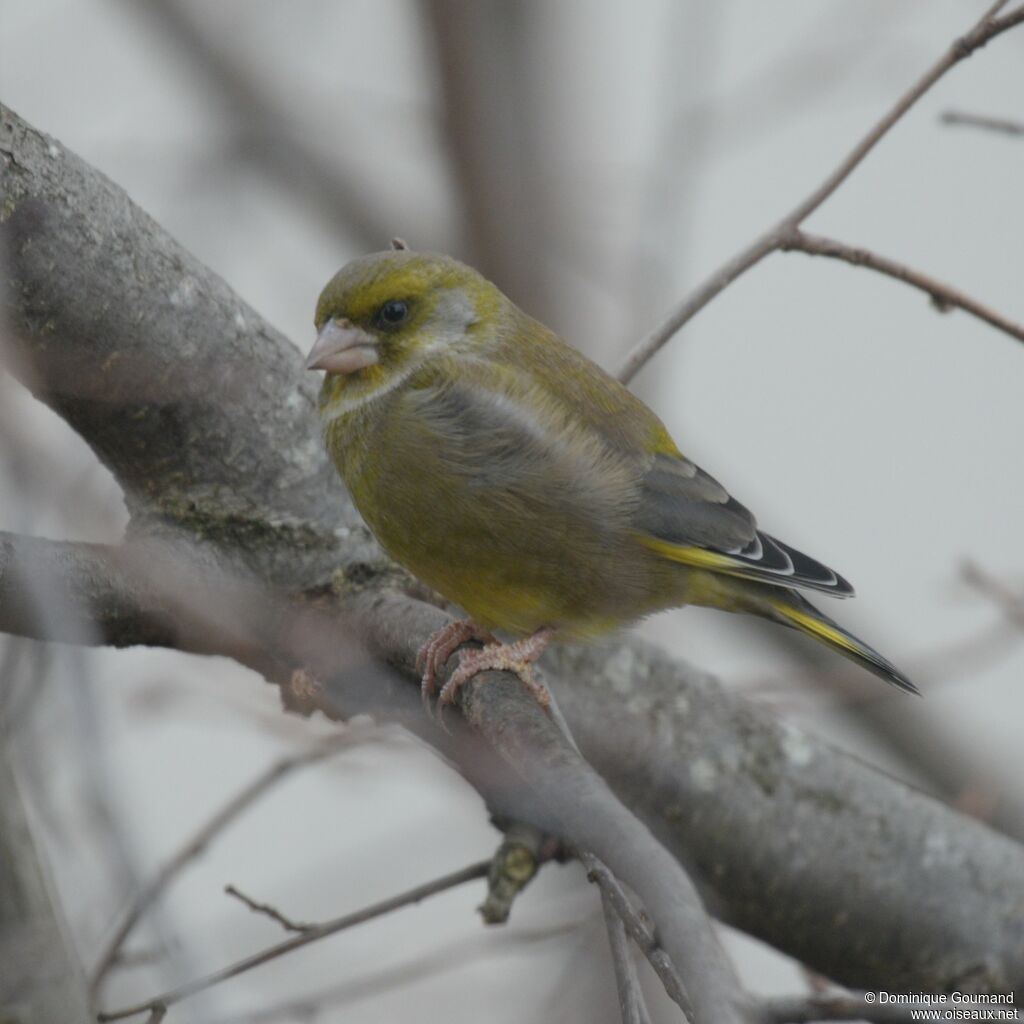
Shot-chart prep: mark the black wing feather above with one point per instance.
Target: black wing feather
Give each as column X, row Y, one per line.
column 684, row 506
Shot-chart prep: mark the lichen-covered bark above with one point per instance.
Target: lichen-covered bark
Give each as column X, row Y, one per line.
column 808, row 848
column 195, row 403
column 205, row 416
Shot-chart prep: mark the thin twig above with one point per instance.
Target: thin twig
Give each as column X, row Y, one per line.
column 639, row 931
column 1009, row 601
column 421, row 892
column 217, row 822
column 269, row 911
column 433, row 964
column 944, row 296
column 1003, row 125
column 988, row 27
column 631, row 998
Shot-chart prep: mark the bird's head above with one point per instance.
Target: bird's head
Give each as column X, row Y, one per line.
column 385, row 312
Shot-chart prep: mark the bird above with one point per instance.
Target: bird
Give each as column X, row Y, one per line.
column 524, row 484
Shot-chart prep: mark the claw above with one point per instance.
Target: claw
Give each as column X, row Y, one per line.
column 434, row 654
column 517, row 657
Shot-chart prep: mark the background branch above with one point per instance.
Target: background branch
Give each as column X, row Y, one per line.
column 275, row 132
column 944, row 297
column 632, row 1008
column 638, row 930
column 196, row 844
column 41, row 978
column 322, row 931
column 993, row 124
column 987, row 28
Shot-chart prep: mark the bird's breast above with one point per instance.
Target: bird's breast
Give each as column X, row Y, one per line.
column 520, row 539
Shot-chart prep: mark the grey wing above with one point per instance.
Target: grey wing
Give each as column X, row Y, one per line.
column 682, row 508
column 533, row 459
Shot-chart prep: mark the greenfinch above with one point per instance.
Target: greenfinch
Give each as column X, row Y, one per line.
column 520, row 481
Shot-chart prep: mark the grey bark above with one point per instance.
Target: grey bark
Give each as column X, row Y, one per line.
column 205, row 416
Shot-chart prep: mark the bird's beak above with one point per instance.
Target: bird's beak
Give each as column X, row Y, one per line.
column 342, row 348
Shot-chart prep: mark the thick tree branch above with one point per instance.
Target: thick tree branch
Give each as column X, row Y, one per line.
column 776, row 826
column 987, row 28
column 182, row 390
column 99, row 603
column 205, row 416
column 580, row 807
column 576, row 804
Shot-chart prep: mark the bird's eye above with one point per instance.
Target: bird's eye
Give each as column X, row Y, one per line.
column 392, row 313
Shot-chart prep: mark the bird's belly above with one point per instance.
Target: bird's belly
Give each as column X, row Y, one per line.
column 511, row 579
column 510, row 560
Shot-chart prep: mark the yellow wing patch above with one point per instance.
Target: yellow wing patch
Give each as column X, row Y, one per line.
column 699, row 558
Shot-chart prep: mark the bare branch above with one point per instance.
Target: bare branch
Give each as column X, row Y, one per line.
column 269, row 911
column 197, row 843
column 1010, row 601
column 421, row 892
column 282, row 145
column 639, row 931
column 432, row 963
column 479, row 51
column 943, row 296
column 631, row 998
column 1002, row 125
column 988, row 27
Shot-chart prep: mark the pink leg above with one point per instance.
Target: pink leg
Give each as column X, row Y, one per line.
column 517, row 657
column 434, row 654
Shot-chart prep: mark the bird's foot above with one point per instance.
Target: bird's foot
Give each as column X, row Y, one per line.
column 516, row 657
column 434, row 654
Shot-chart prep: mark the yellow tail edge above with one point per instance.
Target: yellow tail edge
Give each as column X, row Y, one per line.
column 805, row 618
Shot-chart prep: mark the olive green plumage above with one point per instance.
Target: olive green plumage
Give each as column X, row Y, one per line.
column 512, row 475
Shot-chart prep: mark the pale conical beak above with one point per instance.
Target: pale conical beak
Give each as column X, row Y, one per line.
column 342, row 348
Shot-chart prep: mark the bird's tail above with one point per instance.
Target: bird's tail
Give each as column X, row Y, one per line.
column 791, row 609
